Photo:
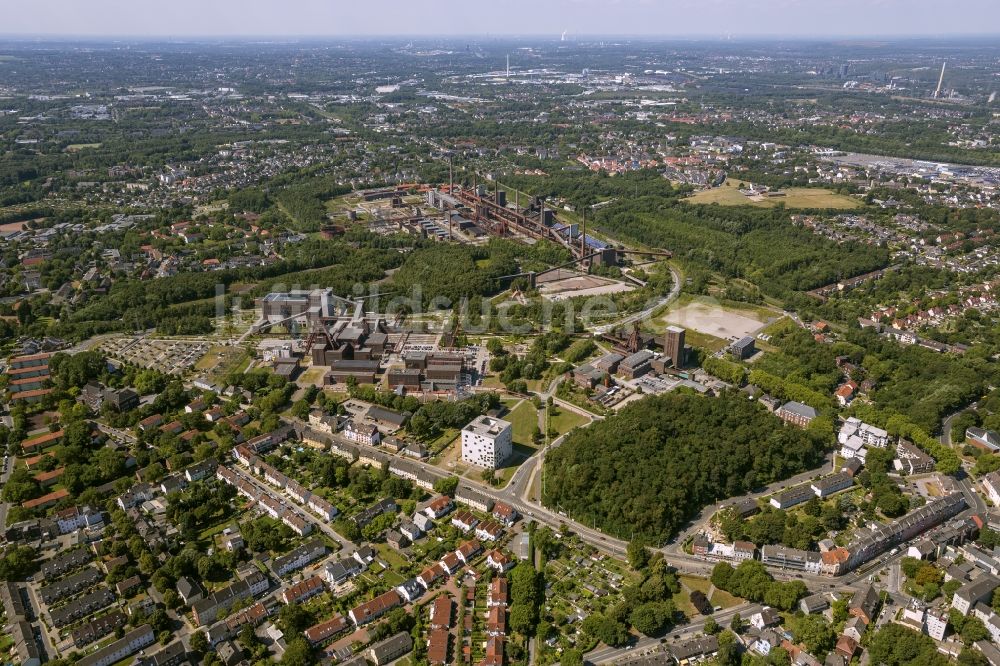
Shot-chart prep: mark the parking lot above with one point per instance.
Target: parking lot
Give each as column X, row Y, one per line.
column 174, row 357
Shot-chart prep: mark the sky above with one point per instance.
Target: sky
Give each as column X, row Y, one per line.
column 578, row 18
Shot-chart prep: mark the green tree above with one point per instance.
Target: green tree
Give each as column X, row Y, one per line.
column 294, row 618
column 814, row 633
column 638, row 554
column 199, row 642
column 18, row 562
column 973, row 630
column 736, row 624
column 652, row 617
column 298, row 652
column 446, row 486
column 970, row 657
column 896, row 645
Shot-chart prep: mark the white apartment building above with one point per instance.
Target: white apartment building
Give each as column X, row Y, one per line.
column 487, row 442
column 855, row 437
column 991, row 484
column 936, row 624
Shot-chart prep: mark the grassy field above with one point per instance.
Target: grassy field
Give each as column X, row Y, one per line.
column 76, row 147
column 564, row 420
column 523, row 418
column 704, row 341
column 446, row 438
column 695, row 583
column 313, row 375
column 795, row 197
column 220, row 360
column 390, row 555
column 493, row 382
column 211, row 358
column 724, row 599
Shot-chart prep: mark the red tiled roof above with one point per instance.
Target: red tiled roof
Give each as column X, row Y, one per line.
column 42, row 440
column 45, row 500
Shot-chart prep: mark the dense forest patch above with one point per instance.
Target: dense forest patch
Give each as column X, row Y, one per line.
column 648, row 469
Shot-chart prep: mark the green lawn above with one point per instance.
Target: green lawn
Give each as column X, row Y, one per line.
column 565, row 420
column 794, row 197
column 696, row 583
column 524, row 419
column 393, row 578
column 704, row 341
column 390, row 555
column 209, row 533
column 724, row 599
column 682, row 601
column 493, row 382
column 446, row 438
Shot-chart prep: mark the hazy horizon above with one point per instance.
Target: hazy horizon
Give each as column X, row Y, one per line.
column 514, row 18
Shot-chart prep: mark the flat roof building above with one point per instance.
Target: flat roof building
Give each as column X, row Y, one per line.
column 487, row 442
column 743, row 348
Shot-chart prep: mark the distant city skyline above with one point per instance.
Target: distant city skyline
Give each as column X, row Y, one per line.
column 336, row 18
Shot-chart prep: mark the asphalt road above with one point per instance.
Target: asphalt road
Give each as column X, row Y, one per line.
column 49, row 646
column 698, row 523
column 347, row 545
column 4, row 507
column 519, row 486
column 675, row 291
column 645, row 644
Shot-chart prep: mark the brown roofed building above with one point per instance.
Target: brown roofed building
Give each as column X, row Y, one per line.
column 46, row 501
column 41, row 442
column 494, row 652
column 441, row 612
column 496, row 621
column 320, row 633
column 376, row 608
column 497, row 594
column 437, row 647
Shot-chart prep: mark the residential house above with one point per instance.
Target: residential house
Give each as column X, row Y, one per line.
column 499, row 562
column 303, row 590
column 468, row 550
column 324, row 631
column 126, row 646
column 439, row 507
column 299, row 557
column 831, row 484
column 864, row 604
column 981, row 589
column 370, row 611
column 410, row 590
column 464, row 520
column 390, row 649
column 496, row 594
column 473, row 499
column 796, row 413
column 189, row 591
